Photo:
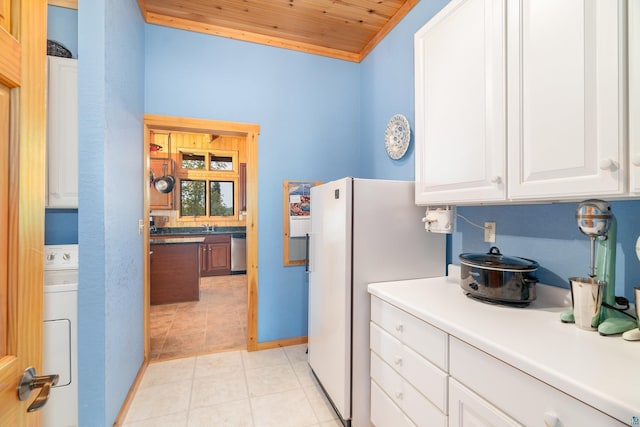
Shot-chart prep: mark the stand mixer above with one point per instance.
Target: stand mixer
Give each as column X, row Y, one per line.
column 596, row 221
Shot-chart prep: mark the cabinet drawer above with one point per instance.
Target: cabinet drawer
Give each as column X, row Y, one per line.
column 384, row 413
column 428, row 341
column 519, row 395
column 419, row 410
column 427, row 378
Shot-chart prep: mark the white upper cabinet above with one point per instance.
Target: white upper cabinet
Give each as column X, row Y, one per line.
column 634, row 95
column 460, row 104
column 526, row 102
column 62, row 133
column 565, row 97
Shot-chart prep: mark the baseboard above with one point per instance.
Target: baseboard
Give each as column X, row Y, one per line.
column 132, row 392
column 281, row 343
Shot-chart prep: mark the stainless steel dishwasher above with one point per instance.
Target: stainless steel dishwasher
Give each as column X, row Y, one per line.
column 238, row 253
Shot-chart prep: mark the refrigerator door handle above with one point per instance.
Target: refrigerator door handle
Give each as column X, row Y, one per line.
column 306, row 253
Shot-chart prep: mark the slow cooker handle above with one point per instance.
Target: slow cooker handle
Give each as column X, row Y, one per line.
column 494, row 251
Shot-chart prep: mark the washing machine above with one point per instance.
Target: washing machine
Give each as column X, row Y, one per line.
column 60, row 337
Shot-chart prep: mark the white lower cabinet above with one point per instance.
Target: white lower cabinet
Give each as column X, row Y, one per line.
column 422, row 376
column 467, row 409
column 526, row 399
column 385, row 413
column 407, row 361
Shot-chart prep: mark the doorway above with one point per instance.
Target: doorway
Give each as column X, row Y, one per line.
column 249, row 133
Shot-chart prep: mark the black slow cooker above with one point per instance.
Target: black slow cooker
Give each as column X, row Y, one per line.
column 498, row 278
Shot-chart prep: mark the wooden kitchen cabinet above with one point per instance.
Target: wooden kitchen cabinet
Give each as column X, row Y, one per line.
column 460, row 100
column 62, row 133
column 158, row 168
column 174, row 273
column 215, row 255
column 566, row 91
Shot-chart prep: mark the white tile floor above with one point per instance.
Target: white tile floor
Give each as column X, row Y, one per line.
column 240, row 389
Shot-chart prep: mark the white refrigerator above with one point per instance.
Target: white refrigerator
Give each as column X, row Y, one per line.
column 362, row 231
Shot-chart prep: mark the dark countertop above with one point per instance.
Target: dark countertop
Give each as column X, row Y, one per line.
column 180, row 231
column 176, row 240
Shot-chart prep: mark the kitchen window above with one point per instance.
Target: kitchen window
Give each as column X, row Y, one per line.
column 221, row 198
column 208, row 184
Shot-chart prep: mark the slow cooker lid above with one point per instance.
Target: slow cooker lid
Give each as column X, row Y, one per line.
column 495, row 260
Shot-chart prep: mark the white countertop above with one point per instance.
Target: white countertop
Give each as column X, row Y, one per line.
column 603, row 372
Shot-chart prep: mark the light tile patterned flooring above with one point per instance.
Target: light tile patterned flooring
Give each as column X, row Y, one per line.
column 265, row 388
column 217, row 322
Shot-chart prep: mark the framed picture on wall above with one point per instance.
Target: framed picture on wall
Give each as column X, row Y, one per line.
column 296, row 220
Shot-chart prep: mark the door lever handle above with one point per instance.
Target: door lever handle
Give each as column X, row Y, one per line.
column 31, row 381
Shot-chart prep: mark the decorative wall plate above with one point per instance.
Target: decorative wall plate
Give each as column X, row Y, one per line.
column 397, row 136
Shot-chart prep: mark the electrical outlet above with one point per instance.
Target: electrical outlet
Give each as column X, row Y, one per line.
column 490, row 232
column 140, row 226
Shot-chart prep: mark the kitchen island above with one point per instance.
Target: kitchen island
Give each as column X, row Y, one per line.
column 519, row 365
column 175, row 269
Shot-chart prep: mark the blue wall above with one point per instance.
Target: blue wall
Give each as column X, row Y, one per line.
column 548, row 234
column 544, row 232
column 110, row 295
column 62, row 27
column 308, row 109
column 386, row 85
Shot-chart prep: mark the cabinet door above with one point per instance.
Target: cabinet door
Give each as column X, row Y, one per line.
column 634, row 94
column 217, row 256
column 62, row 133
column 466, row 409
column 158, row 200
column 460, row 104
column 565, row 98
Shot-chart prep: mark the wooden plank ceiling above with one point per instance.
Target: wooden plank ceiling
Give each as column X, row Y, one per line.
column 343, row 29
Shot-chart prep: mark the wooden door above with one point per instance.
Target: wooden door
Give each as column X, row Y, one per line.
column 22, row 158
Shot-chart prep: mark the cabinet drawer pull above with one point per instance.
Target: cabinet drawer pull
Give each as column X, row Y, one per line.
column 551, row 420
column 397, row 360
column 496, row 180
column 399, row 327
column 607, row 164
column 399, row 395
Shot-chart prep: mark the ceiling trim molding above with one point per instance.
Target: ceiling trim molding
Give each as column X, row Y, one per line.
column 185, row 24
column 395, row 20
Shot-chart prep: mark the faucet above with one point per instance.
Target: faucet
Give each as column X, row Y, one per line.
column 207, row 228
